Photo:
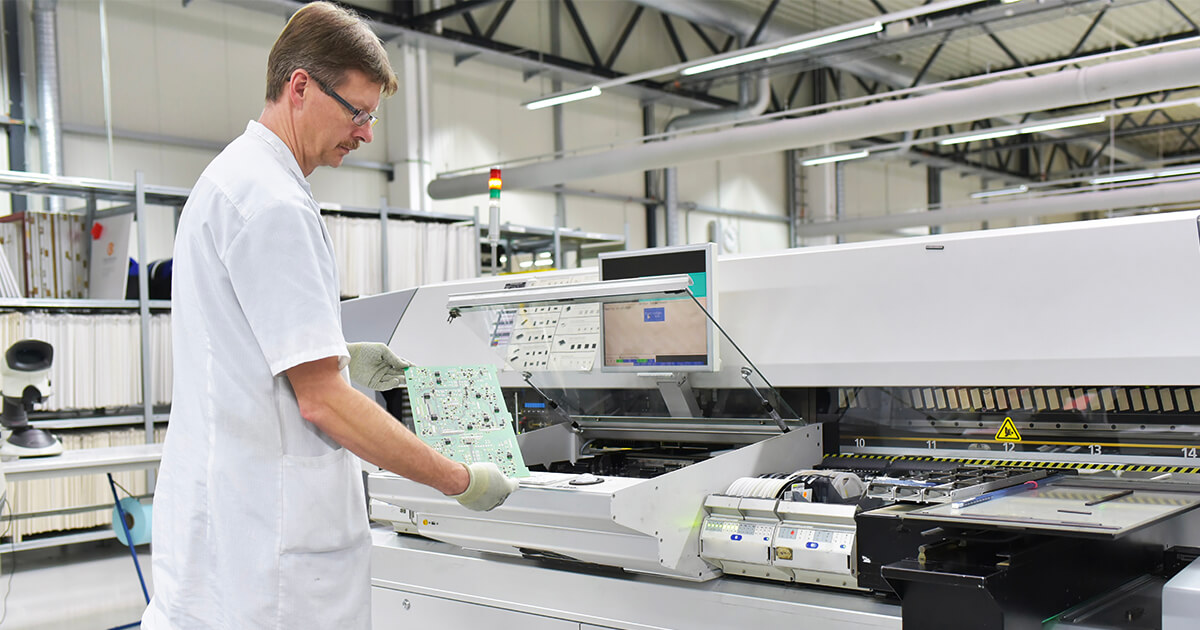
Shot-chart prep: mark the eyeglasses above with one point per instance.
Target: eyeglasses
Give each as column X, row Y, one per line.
column 359, row 116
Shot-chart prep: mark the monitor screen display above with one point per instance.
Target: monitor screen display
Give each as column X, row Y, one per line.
column 668, row 334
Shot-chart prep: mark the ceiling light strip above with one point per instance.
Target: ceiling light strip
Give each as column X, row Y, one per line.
column 979, row 136
column 836, row 158
column 805, row 44
column 1001, row 192
column 1078, row 122
column 564, row 98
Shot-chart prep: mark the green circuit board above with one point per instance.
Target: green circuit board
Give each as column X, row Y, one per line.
column 460, row 412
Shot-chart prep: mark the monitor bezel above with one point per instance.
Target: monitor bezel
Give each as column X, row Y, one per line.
column 710, row 263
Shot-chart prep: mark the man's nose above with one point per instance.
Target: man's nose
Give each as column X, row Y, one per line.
column 365, row 133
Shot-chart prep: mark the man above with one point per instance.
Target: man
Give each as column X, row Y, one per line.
column 259, row 514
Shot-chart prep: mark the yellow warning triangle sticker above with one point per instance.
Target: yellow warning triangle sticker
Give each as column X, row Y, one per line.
column 1008, row 432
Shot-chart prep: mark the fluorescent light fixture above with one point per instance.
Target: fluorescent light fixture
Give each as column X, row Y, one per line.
column 983, row 194
column 1133, row 177
column 603, row 291
column 1112, row 179
column 1078, row 122
column 731, row 61
column 564, row 98
column 783, row 50
column 525, row 264
column 979, row 136
column 543, row 262
column 829, row 39
column 545, row 254
column 836, row 158
column 1186, row 170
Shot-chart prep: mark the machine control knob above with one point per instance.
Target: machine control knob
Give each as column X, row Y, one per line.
column 586, row 479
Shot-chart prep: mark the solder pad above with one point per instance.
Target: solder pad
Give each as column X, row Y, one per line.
column 460, row 412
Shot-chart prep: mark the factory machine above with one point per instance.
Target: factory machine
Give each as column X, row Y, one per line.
column 983, row 430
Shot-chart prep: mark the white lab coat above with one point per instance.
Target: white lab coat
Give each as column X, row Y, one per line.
column 259, row 517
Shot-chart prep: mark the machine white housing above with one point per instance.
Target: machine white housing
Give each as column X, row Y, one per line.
column 643, row 525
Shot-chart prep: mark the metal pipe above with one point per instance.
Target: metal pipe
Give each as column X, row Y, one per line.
column 560, row 200
column 692, row 206
column 16, row 98
column 839, row 193
column 676, row 225
column 1118, row 79
column 745, row 109
column 106, row 84
column 793, row 192
column 675, row 228
column 1130, row 197
column 45, row 41
column 649, row 184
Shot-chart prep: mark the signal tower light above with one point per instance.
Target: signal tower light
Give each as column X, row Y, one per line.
column 494, row 184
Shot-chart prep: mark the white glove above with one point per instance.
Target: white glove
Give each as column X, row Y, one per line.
column 488, row 488
column 375, row 366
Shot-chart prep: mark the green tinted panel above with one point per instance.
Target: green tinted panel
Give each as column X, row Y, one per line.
column 460, row 412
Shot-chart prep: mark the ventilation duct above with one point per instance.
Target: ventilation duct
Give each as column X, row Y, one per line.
column 45, row 41
column 1117, row 79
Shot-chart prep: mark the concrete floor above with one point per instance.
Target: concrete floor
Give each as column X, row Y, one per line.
column 88, row 586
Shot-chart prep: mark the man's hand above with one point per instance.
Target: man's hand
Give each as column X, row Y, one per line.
column 488, row 488
column 375, row 366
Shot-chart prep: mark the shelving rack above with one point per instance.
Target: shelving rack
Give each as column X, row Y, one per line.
column 517, row 238
column 130, row 198
column 520, row 239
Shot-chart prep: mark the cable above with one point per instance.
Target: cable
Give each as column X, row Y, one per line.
column 128, row 537
column 115, row 482
column 8, row 588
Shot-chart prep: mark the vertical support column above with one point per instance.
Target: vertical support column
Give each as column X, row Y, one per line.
column 89, row 220
column 650, row 185
column 475, row 244
column 560, row 200
column 16, row 98
column 384, row 285
column 839, row 193
column 408, row 141
column 933, row 191
column 821, row 198
column 558, row 262
column 139, row 207
column 675, row 229
column 793, row 193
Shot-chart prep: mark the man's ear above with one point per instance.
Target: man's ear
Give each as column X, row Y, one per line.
column 297, row 87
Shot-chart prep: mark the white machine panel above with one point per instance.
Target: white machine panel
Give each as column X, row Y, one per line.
column 815, row 549
column 881, row 323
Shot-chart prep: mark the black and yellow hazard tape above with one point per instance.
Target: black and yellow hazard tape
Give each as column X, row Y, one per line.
column 1013, row 463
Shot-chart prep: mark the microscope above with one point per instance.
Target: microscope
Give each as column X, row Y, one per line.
column 26, row 380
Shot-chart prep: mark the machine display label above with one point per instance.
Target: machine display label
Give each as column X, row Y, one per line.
column 657, row 314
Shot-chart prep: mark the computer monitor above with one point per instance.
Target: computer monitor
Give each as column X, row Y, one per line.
column 660, row 335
